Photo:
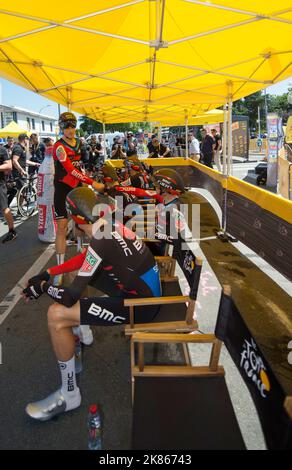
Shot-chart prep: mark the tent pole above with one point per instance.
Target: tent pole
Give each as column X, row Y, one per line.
column 159, row 131
column 187, row 143
column 104, row 148
column 229, row 158
column 224, row 139
column 69, row 102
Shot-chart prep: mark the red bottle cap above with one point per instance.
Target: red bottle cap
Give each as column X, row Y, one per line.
column 93, row 409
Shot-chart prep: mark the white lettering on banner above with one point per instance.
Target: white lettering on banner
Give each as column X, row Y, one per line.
column 55, row 292
column 40, row 184
column 105, row 314
column 122, row 242
column 253, row 365
column 42, row 218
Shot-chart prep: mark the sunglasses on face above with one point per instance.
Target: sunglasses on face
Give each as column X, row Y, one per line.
column 68, row 124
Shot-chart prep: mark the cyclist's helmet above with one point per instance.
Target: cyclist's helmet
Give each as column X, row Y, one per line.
column 169, row 180
column 82, row 205
column 66, row 120
column 109, row 174
column 132, row 163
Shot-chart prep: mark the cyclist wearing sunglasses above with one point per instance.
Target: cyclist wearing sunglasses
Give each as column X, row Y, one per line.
column 67, row 155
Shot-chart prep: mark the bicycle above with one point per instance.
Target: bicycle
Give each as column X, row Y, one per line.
column 27, row 196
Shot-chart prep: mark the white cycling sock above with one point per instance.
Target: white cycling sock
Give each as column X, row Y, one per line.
column 60, row 258
column 68, row 376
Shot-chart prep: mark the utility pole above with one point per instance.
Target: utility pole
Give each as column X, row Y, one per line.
column 259, row 121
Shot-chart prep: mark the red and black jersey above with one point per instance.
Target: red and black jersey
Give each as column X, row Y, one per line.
column 67, row 163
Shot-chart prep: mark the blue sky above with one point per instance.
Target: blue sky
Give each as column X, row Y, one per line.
column 14, row 95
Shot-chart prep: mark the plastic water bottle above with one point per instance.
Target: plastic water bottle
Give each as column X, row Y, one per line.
column 45, row 198
column 94, row 428
column 78, row 355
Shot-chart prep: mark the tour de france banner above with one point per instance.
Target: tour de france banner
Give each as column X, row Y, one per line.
column 265, row 389
column 187, row 262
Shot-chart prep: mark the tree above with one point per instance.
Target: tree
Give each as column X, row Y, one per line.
column 248, row 106
column 90, row 126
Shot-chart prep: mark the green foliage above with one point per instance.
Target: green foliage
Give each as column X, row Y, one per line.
column 248, row 106
column 90, row 126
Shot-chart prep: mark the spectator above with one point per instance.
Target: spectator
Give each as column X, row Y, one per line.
column 194, row 147
column 217, row 148
column 84, row 149
column 142, row 149
column 37, row 149
column 158, row 150
column 9, row 145
column 49, row 142
column 130, row 144
column 19, row 154
column 93, row 153
column 118, row 150
column 207, row 148
column 100, row 147
column 6, row 166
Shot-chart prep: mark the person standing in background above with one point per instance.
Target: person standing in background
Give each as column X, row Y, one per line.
column 37, row 149
column 194, row 147
column 157, row 150
column 6, row 166
column 217, row 148
column 207, row 148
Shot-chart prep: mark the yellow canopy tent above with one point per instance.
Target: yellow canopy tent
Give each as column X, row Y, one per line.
column 98, row 56
column 13, row 130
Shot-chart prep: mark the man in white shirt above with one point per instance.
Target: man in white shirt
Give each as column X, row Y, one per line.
column 194, row 148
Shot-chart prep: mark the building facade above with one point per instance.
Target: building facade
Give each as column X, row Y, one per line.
column 41, row 124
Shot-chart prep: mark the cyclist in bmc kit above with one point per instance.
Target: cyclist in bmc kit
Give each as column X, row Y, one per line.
column 67, row 155
column 116, row 263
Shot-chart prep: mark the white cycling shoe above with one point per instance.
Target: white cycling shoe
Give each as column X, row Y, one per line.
column 85, row 334
column 53, row 405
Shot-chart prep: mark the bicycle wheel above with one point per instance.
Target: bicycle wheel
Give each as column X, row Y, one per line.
column 27, row 200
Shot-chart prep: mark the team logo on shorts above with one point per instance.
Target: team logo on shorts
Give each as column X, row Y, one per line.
column 90, row 264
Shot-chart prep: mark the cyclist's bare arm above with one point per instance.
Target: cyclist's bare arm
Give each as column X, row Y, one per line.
column 16, row 165
column 6, row 166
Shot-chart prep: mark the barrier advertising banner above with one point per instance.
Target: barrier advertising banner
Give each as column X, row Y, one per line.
column 275, row 134
column 264, row 387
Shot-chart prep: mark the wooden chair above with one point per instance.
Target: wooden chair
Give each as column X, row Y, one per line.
column 181, row 406
column 181, row 318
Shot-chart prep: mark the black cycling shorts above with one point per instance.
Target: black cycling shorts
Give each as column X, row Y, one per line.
column 61, row 191
column 109, row 311
column 3, row 196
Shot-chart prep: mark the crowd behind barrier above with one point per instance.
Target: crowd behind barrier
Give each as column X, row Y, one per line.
column 259, row 219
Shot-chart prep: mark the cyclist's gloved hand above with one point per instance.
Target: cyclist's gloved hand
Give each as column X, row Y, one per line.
column 44, row 276
column 33, row 291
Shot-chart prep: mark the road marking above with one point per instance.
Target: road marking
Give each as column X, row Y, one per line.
column 11, row 299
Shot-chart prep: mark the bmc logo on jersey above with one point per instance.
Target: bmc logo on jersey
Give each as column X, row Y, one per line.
column 104, row 314
column 90, row 264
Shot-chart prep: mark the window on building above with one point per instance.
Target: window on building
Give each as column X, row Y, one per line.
column 33, row 123
column 43, row 125
column 28, row 123
column 14, row 114
column 51, row 126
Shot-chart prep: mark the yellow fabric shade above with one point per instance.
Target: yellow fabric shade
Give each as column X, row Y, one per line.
column 13, row 130
column 155, row 60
